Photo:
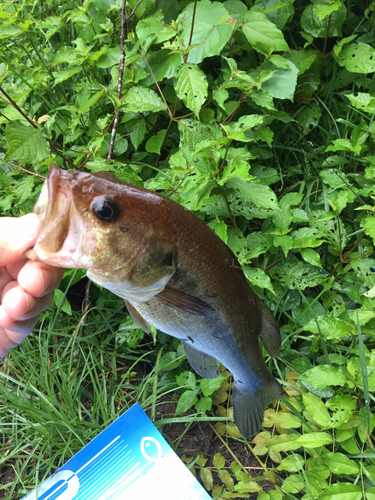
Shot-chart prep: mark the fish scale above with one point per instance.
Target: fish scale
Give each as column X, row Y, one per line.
column 172, row 271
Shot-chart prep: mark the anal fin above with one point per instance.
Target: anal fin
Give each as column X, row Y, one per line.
column 137, row 317
column 205, row 365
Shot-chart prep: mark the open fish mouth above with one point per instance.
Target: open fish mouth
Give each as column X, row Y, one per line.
column 59, row 242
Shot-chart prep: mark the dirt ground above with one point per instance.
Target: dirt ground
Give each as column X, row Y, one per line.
column 199, row 440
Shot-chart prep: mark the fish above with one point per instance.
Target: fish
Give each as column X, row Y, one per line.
column 172, row 271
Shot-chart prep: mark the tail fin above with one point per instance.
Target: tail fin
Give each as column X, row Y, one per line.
column 248, row 407
column 270, row 331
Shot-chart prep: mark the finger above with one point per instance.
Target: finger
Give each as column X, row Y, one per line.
column 38, row 278
column 15, row 268
column 20, row 305
column 16, row 236
column 15, row 334
column 4, row 278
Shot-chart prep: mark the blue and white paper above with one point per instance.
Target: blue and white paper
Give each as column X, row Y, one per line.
column 128, row 460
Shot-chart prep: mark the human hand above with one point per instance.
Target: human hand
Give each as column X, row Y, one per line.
column 26, row 287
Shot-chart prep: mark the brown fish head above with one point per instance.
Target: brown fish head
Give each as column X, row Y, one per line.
column 96, row 222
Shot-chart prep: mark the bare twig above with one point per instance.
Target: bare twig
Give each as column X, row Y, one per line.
column 133, row 11
column 120, row 78
column 192, row 22
column 18, row 108
column 157, row 85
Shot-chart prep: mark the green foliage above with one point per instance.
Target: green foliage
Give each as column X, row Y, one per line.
column 216, row 101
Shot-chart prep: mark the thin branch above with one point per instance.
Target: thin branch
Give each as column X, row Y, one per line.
column 157, row 85
column 18, row 108
column 133, row 11
column 192, row 23
column 120, row 79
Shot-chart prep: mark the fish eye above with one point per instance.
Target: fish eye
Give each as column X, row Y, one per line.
column 105, row 210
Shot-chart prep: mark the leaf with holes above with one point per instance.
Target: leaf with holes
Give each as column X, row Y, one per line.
column 358, row 58
column 297, row 275
column 258, row 277
column 191, row 87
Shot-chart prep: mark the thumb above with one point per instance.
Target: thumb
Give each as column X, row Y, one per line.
column 16, row 236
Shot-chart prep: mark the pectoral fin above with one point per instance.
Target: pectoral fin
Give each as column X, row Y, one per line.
column 137, row 317
column 206, row 366
column 183, row 302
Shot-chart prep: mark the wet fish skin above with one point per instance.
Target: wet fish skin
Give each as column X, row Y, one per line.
column 172, row 271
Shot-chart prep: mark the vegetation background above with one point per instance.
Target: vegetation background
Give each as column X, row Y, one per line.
column 224, row 106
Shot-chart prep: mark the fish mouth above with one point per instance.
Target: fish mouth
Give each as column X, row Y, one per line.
column 59, row 242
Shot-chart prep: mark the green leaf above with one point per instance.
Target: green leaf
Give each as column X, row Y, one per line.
column 297, row 275
column 129, row 332
column 263, row 35
column 207, row 478
column 285, row 242
column 25, row 143
column 284, row 420
column 331, row 328
column 24, row 188
column 332, row 179
column 323, row 375
column 209, row 386
column 283, row 442
column 358, row 58
column 138, row 133
column 186, row 379
column 258, row 277
column 282, row 84
column 226, row 478
column 368, row 224
column 212, row 29
column 341, row 491
column 254, row 191
column 292, row 463
column 204, row 404
column 142, row 99
column 218, row 461
column 302, row 59
column 316, row 407
column 311, row 256
column 314, row 440
column 186, row 401
column 322, row 10
column 220, row 96
column 293, row 484
column 191, row 87
column 109, row 58
column 62, row 302
column 153, row 145
column 338, row 463
column 64, row 54
column 319, row 27
column 65, row 74
column 362, row 101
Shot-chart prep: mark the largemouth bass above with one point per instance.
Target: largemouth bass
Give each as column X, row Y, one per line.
column 173, row 273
